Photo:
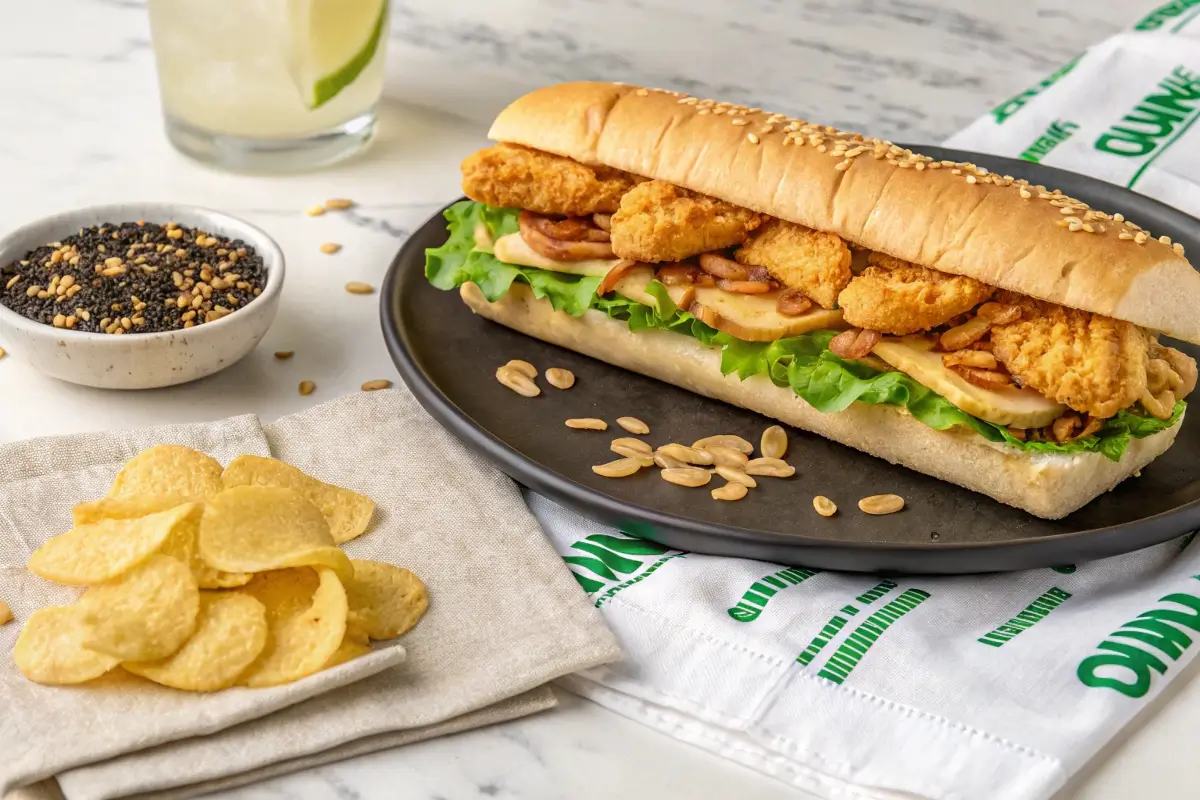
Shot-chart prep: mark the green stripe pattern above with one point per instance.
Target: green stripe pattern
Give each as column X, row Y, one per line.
column 1167, row 12
column 876, row 592
column 1164, row 147
column 855, row 647
column 821, row 639
column 1186, row 20
column 761, row 591
column 1033, row 613
column 650, row 570
column 609, row 557
column 836, row 623
column 1011, row 106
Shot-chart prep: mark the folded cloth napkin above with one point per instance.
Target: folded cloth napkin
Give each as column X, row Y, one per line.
column 539, row 699
column 853, row 686
column 1123, row 111
column 491, row 633
column 44, row 730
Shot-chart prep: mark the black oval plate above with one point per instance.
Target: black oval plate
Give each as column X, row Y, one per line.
column 448, row 358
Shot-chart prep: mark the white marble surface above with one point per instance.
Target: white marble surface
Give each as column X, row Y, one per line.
column 79, row 124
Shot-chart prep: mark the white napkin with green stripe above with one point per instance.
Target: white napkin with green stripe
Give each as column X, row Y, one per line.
column 1123, row 111
column 854, row 686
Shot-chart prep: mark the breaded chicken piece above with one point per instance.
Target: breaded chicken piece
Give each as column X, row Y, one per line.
column 659, row 221
column 899, row 297
column 1086, row 361
column 818, row 264
column 512, row 176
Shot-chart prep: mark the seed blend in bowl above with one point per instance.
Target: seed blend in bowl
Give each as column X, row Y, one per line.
column 133, row 277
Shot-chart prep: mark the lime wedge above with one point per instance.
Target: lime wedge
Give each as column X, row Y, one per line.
column 333, row 41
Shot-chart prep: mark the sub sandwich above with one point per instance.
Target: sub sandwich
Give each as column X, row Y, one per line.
column 998, row 335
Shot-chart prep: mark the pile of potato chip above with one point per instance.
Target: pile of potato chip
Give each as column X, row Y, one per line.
column 201, row 578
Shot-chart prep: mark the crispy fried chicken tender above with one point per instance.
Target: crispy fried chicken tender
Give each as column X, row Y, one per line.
column 818, row 264
column 658, row 221
column 898, row 297
column 512, row 176
column 1091, row 363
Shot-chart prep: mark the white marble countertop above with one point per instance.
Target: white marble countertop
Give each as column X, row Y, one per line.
column 79, row 124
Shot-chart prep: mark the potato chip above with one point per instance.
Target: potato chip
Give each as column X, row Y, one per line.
column 385, row 601
column 50, row 649
column 124, row 507
column 306, row 614
column 354, row 644
column 348, row 513
column 209, row 578
column 146, row 614
column 347, row 651
column 231, row 632
column 354, row 631
column 182, row 544
column 5, row 613
column 100, row 552
column 169, row 469
column 260, row 528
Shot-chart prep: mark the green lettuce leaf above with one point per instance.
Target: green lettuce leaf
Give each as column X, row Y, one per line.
column 804, row 363
column 665, row 316
column 831, row 384
column 459, row 261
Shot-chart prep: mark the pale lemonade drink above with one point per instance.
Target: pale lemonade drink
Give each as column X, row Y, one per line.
column 269, row 84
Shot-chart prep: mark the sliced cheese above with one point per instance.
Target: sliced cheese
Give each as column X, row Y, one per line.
column 512, row 249
column 483, row 237
column 633, row 283
column 749, row 317
column 1021, row 408
column 753, row 318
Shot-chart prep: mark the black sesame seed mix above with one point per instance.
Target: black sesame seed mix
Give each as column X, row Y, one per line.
column 133, row 277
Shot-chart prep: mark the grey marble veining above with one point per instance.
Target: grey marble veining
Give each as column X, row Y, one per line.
column 915, row 71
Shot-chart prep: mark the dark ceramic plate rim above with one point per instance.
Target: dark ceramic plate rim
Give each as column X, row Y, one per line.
column 1111, row 540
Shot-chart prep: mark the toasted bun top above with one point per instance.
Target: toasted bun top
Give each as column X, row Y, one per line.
column 956, row 218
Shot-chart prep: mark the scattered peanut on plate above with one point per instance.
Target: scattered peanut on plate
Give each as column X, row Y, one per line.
column 728, row 455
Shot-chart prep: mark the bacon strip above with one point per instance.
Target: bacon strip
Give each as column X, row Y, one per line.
column 532, row 231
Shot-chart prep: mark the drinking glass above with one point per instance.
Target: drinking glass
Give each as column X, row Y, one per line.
column 270, row 85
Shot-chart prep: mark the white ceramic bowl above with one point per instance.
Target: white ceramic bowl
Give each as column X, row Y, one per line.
column 141, row 360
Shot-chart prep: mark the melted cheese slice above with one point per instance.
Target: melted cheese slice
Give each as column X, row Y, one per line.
column 512, row 249
column 748, row 317
column 633, row 283
column 753, row 318
column 483, row 237
column 1021, row 408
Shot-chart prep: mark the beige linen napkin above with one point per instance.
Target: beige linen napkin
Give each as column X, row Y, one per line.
column 45, row 730
column 539, row 699
column 505, row 616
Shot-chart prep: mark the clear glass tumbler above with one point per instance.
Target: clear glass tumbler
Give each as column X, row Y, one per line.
column 270, row 85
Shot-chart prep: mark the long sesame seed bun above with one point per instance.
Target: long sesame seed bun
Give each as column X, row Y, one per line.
column 951, row 217
column 1048, row 485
